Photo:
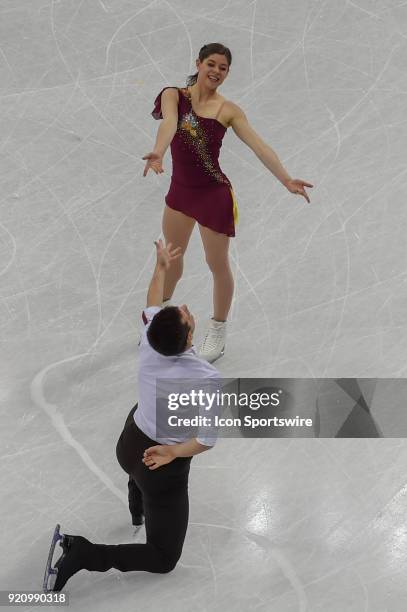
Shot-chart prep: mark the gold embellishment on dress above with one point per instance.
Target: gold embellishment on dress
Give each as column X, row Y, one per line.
column 195, row 137
column 189, row 123
column 235, row 209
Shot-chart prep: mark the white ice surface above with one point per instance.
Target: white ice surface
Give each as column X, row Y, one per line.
column 320, row 291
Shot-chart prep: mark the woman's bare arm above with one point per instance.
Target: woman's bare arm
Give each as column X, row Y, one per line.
column 168, row 125
column 240, row 125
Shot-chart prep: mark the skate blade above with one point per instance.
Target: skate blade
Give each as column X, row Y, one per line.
column 219, row 356
column 137, row 529
column 50, row 573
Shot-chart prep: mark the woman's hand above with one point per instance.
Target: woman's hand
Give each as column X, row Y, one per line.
column 165, row 254
column 156, row 456
column 297, row 186
column 154, row 161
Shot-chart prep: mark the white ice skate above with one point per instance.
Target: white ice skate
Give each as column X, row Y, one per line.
column 213, row 345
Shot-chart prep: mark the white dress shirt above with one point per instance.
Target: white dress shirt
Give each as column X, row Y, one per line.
column 153, row 365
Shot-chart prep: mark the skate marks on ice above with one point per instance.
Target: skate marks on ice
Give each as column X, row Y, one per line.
column 281, row 560
column 57, row 419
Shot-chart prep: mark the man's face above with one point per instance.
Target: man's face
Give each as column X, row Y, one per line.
column 187, row 317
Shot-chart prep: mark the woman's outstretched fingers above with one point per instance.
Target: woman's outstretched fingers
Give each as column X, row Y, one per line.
column 153, row 162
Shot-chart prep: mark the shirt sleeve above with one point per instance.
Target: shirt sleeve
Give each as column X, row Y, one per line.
column 147, row 316
column 156, row 112
column 208, row 435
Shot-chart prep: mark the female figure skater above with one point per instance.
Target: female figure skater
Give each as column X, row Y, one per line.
column 194, row 121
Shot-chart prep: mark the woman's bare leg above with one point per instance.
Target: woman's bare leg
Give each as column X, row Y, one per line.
column 216, row 248
column 177, row 229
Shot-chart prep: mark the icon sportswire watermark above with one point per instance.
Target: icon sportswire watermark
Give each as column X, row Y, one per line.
column 284, row 407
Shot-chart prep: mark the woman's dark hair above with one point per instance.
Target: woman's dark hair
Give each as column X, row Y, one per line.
column 167, row 334
column 205, row 52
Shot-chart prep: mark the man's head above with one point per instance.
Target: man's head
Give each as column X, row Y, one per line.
column 171, row 330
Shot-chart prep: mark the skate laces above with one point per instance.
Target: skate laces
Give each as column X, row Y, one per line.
column 213, row 336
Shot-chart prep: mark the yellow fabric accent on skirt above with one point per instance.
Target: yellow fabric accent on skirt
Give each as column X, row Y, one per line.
column 235, row 209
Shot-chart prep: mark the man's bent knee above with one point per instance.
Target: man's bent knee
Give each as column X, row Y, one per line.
column 167, row 564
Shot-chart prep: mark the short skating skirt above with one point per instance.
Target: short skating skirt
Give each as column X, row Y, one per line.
column 213, row 205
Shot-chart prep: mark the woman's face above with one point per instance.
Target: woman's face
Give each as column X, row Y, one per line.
column 213, row 70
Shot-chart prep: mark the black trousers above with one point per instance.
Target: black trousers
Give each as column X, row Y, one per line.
column 162, row 494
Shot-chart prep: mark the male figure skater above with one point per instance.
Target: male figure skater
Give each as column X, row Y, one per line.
column 166, row 351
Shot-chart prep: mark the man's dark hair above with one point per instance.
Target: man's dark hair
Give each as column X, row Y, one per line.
column 167, row 333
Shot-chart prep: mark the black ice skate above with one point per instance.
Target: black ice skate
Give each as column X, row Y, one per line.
column 74, row 553
column 137, row 519
column 50, row 572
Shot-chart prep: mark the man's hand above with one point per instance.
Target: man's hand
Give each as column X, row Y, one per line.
column 156, row 456
column 165, row 254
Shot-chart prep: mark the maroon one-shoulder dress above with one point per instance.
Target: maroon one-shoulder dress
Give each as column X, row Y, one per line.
column 198, row 186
